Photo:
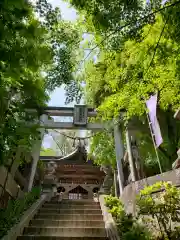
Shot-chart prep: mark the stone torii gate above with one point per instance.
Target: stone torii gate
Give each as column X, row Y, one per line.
column 80, row 114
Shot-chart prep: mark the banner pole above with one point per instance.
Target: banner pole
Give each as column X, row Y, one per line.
column 155, row 148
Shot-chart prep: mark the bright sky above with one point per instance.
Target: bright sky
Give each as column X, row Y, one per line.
column 68, row 13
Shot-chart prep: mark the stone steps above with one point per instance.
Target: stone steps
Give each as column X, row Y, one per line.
column 67, row 220
column 33, row 237
column 69, row 216
column 69, row 211
column 69, row 206
column 66, row 231
column 66, row 223
column 75, row 201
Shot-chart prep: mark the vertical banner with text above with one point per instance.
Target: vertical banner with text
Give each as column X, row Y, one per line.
column 152, row 106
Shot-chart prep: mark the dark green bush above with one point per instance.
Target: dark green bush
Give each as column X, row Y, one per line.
column 12, row 214
column 156, row 212
column 112, row 191
column 162, row 209
column 137, row 231
column 128, row 227
column 124, row 223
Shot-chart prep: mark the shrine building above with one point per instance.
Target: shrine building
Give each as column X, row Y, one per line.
column 73, row 175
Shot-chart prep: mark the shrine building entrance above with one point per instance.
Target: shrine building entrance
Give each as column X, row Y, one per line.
column 78, row 193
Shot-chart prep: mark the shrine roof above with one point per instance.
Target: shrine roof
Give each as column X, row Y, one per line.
column 66, row 161
column 78, row 157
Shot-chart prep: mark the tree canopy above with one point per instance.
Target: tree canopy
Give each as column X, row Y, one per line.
column 103, row 149
column 126, row 78
column 136, row 46
column 38, row 53
column 137, row 54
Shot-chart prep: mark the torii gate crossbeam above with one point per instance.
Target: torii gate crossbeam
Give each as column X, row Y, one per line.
column 49, row 124
column 62, row 111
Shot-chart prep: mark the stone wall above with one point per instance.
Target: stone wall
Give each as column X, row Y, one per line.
column 12, row 189
column 131, row 190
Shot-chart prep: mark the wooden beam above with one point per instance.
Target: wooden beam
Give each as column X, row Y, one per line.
column 78, row 167
column 84, row 176
column 87, row 173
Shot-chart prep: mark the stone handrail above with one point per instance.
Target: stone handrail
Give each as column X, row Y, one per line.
column 128, row 197
column 28, row 215
column 110, row 224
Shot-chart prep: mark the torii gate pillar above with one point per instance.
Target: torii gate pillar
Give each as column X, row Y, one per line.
column 119, row 155
column 36, row 152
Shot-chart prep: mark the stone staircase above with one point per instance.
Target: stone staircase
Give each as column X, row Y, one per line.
column 67, row 220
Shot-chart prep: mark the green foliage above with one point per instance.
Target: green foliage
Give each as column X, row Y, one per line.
column 41, row 165
column 160, row 211
column 64, row 39
column 22, row 47
column 122, row 76
column 112, row 201
column 12, row 214
column 114, row 205
column 105, row 18
column 37, row 55
column 119, row 80
column 128, row 228
column 137, row 232
column 103, row 148
column 113, row 190
column 47, row 152
column 105, row 13
column 121, row 83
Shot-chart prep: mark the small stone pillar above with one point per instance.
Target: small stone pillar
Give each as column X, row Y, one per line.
column 108, row 180
column 115, row 183
column 130, row 157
